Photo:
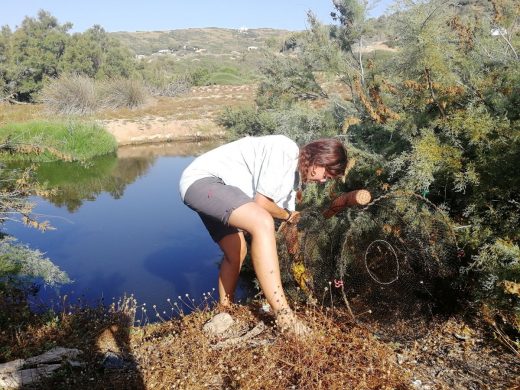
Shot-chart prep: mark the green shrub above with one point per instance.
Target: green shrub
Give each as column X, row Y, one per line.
column 298, row 123
column 23, row 264
column 247, row 121
column 200, row 76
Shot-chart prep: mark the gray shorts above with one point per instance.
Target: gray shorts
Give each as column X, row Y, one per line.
column 214, row 201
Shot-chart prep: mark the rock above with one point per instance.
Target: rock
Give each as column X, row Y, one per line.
column 12, row 366
column 14, row 375
column 113, row 361
column 26, row 377
column 418, row 385
column 218, row 324
column 246, row 338
column 55, row 355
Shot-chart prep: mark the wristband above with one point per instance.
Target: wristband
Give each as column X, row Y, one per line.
column 289, row 217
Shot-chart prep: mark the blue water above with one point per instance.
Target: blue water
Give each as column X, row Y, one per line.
column 141, row 240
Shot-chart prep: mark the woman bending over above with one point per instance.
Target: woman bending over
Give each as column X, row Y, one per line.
column 240, row 187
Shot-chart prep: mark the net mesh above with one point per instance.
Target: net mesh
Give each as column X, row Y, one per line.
column 391, row 261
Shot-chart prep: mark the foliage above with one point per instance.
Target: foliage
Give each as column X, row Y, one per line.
column 437, row 118
column 96, row 54
column 27, row 264
column 15, row 187
column 69, row 141
column 33, row 52
column 297, row 122
column 41, row 48
column 286, row 80
column 20, row 266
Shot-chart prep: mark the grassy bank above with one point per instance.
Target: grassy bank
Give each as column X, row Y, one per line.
column 47, row 140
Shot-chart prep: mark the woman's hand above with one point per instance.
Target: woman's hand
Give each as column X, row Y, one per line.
column 294, row 217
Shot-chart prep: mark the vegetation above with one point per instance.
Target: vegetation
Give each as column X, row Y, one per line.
column 22, row 269
column 432, row 130
column 41, row 51
column 41, row 48
column 215, row 41
column 436, row 125
column 70, row 141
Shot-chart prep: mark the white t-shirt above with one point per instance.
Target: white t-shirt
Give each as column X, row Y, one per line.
column 265, row 165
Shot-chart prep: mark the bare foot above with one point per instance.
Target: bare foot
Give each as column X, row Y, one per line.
column 289, row 323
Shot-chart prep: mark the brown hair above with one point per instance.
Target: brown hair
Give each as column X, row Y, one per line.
column 326, row 152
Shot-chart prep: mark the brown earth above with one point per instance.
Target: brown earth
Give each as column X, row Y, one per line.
column 187, row 117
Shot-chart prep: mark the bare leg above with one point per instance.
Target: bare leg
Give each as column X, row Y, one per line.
column 235, row 249
column 259, row 223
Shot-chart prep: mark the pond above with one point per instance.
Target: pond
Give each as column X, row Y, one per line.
column 121, row 228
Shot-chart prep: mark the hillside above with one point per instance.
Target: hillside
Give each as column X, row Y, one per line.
column 209, row 40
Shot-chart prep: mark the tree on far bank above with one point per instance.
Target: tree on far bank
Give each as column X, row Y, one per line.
column 95, row 54
column 36, row 48
column 41, row 48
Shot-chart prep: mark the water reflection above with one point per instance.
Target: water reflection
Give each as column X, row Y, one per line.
column 122, row 228
column 76, row 182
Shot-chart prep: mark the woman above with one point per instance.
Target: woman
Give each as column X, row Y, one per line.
column 241, row 186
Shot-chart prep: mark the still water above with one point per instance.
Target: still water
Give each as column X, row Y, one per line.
column 121, row 228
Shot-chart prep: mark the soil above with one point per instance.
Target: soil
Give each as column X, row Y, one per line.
column 191, row 116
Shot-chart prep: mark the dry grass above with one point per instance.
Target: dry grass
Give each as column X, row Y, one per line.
column 338, row 355
column 71, row 95
column 199, row 103
column 120, row 92
column 17, row 113
column 177, row 354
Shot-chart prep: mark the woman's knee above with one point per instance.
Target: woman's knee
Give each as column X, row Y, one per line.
column 263, row 224
column 252, row 218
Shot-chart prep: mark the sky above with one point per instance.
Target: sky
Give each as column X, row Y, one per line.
column 159, row 15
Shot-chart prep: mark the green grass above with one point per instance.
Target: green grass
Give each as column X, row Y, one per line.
column 45, row 140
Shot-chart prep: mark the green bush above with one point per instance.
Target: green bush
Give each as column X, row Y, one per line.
column 200, row 76
column 299, row 123
column 22, row 264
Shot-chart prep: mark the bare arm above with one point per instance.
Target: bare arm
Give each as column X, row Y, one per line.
column 271, row 207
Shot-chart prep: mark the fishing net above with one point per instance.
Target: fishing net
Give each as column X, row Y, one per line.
column 391, row 261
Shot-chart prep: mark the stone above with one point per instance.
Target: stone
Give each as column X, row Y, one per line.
column 218, row 324
column 19, row 373
column 54, row 355
column 113, row 361
column 18, row 379
column 242, row 340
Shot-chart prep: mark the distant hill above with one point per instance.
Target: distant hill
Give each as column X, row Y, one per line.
column 210, row 40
